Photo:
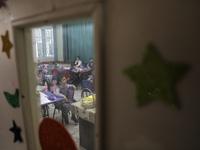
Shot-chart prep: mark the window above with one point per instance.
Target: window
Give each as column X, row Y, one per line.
column 43, row 43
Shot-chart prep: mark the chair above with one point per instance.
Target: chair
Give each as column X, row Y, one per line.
column 70, row 95
column 45, row 110
column 87, row 84
column 67, row 75
column 84, row 75
column 55, row 74
column 74, row 78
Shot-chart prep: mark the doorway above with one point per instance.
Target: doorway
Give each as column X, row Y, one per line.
column 26, row 61
column 55, row 49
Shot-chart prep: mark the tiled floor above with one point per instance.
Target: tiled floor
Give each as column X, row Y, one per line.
column 73, row 128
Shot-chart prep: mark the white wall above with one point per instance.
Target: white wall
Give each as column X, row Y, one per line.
column 59, row 42
column 173, row 26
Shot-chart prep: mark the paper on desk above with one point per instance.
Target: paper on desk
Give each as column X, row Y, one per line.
column 44, row 99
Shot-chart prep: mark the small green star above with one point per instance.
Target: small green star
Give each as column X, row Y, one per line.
column 156, row 79
column 13, row 99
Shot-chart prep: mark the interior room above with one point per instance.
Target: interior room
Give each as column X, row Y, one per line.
column 55, row 51
column 146, row 56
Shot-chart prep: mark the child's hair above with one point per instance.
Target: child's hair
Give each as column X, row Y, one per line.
column 59, row 79
column 78, row 57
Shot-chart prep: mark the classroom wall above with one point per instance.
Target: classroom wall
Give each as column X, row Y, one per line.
column 59, row 42
column 173, row 27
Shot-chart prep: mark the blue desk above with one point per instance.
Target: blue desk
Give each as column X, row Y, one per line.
column 44, row 101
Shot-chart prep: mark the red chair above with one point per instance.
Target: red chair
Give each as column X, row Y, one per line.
column 66, row 75
column 55, row 74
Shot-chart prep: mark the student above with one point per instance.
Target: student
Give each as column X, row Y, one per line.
column 57, row 67
column 78, row 62
column 61, row 91
column 42, row 82
column 59, row 70
column 90, row 64
column 73, row 68
column 75, row 74
column 92, row 77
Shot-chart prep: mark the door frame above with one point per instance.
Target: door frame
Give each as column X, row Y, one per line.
column 25, row 65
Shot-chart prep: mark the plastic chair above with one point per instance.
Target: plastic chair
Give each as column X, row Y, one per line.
column 55, row 74
column 67, row 75
column 87, row 84
column 74, row 78
column 70, row 95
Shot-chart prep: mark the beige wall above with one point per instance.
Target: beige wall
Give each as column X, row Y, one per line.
column 173, row 26
column 59, row 42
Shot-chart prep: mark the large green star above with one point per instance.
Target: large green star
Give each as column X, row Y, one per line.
column 155, row 78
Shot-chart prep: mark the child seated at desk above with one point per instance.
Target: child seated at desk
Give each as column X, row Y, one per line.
column 61, row 91
column 59, row 70
column 90, row 64
column 74, row 72
column 78, row 62
column 58, row 67
column 42, row 82
column 73, row 68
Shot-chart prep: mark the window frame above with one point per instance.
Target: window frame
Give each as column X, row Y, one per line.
column 43, row 38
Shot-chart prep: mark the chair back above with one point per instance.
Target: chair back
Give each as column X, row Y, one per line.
column 55, row 74
column 87, row 84
column 70, row 93
column 66, row 74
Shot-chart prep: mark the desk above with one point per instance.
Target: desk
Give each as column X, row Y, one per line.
column 81, row 69
column 86, row 114
column 44, row 98
column 44, row 101
column 87, row 118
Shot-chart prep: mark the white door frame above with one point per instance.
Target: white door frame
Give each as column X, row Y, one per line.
column 25, row 65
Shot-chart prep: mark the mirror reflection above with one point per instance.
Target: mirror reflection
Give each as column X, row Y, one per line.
column 65, row 74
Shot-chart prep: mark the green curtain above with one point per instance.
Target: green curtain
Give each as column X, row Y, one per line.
column 55, row 44
column 78, row 40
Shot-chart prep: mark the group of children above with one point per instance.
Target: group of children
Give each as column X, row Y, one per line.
column 61, row 88
column 78, row 63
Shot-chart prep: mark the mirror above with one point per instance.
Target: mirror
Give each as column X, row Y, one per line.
column 64, row 65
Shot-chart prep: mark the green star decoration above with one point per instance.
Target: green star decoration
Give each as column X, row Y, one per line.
column 155, row 78
column 13, row 100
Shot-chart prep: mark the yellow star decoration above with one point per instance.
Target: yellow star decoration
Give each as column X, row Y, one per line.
column 155, row 78
column 7, row 45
